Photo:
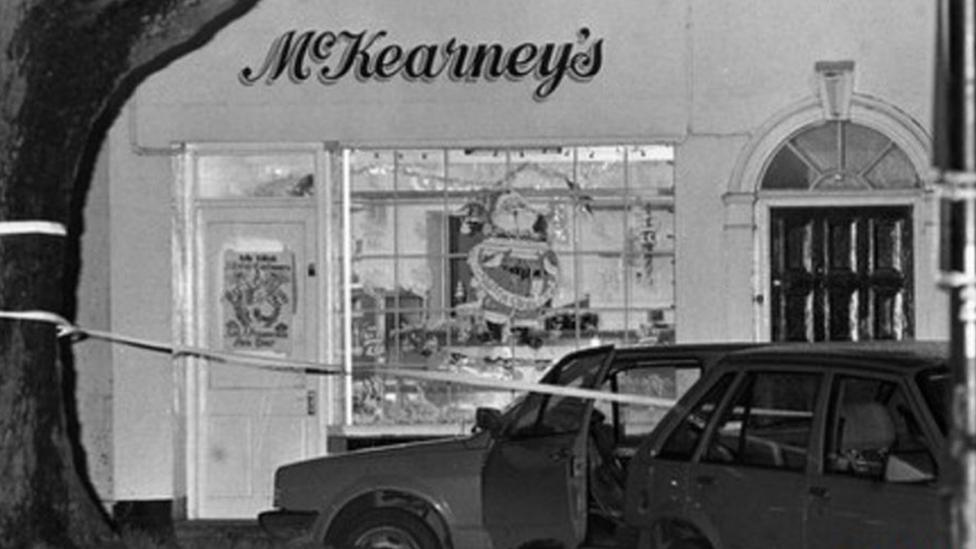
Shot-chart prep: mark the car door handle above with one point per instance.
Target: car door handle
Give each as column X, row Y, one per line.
column 819, row 492
column 705, row 480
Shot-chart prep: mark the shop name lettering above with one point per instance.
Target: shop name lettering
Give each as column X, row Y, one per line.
column 334, row 56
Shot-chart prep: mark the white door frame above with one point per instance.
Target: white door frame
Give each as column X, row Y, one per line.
column 189, row 326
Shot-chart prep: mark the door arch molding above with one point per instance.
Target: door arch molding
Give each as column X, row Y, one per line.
column 903, row 130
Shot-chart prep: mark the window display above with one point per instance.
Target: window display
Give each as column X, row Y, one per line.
column 492, row 262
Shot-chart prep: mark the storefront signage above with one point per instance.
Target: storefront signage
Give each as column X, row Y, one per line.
column 259, row 300
column 333, row 56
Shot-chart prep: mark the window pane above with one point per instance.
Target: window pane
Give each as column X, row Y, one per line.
column 538, row 169
column 650, row 170
column 894, row 171
column 862, row 146
column 286, row 175
column 655, row 381
column 372, row 170
column 600, row 168
column 419, row 170
column 683, row 441
column 559, row 414
column 768, row 422
column 372, row 227
column 820, row 144
column 873, row 426
column 788, row 171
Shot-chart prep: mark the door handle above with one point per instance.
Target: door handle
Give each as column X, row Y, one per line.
column 705, row 480
column 819, row 491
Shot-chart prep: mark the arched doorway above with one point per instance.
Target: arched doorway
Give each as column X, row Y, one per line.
column 840, row 272
column 841, row 224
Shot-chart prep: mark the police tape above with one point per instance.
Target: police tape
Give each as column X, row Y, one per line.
column 66, row 328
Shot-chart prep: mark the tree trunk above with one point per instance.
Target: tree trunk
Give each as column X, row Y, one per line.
column 66, row 67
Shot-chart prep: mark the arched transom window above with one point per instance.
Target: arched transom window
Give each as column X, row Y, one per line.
column 839, row 155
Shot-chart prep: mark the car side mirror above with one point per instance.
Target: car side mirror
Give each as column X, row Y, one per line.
column 908, row 467
column 488, row 419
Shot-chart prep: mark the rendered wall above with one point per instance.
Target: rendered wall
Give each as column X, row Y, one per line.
column 141, row 306
column 93, row 359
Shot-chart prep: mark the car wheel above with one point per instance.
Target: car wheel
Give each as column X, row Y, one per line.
column 388, row 529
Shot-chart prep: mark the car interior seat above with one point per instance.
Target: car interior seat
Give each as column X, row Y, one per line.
column 867, row 433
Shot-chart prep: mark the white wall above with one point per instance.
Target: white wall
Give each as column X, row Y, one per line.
column 141, row 306
column 93, row 359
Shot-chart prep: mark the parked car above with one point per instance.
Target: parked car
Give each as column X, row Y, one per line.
column 819, row 446
column 549, row 469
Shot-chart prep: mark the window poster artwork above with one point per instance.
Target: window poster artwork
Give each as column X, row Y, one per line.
column 258, row 301
column 514, row 267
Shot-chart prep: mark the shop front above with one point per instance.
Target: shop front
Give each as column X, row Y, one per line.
column 474, row 190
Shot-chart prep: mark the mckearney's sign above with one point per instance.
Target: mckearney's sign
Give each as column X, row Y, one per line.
column 332, row 56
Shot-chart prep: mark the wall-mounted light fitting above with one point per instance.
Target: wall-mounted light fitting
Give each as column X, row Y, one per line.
column 836, row 86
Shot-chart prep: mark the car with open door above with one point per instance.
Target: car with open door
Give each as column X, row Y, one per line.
column 807, row 446
column 549, row 469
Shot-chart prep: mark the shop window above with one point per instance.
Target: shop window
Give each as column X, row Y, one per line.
column 493, row 262
column 241, row 176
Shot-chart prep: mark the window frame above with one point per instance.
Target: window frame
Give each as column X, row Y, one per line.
column 746, row 375
column 935, row 444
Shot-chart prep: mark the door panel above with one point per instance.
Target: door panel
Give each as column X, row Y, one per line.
column 747, row 487
column 841, row 273
column 748, row 507
column 854, row 502
column 256, row 298
column 535, row 482
column 845, row 512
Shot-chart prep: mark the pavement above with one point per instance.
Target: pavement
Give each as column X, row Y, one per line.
column 201, row 534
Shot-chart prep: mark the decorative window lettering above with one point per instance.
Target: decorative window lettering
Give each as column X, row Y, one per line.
column 333, row 56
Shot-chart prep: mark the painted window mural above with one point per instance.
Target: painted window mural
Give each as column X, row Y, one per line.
column 493, row 262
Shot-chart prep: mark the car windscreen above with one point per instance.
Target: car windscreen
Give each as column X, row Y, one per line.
column 934, row 384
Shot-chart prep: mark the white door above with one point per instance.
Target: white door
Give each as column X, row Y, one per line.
column 257, row 297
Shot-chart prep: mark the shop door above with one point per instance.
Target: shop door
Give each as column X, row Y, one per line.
column 257, row 297
column 841, row 273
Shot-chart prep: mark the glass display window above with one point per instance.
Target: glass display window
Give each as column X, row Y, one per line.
column 493, row 262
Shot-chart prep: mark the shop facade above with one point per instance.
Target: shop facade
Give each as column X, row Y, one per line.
column 475, row 190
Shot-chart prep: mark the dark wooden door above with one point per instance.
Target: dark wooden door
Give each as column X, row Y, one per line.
column 841, row 273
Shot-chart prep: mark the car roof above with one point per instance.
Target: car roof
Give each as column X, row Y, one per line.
column 890, row 356
column 705, row 354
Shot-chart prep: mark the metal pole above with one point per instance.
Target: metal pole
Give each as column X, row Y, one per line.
column 954, row 129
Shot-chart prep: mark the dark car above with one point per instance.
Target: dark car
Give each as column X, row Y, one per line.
column 819, row 446
column 549, row 470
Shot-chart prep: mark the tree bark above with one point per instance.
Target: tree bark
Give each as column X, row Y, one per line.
column 65, row 68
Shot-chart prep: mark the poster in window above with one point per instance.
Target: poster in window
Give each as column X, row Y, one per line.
column 258, row 301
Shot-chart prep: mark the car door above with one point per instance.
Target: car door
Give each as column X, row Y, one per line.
column 878, row 483
column 745, row 490
column 658, row 476
column 534, row 482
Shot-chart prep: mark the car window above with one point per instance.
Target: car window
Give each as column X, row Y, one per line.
column 681, row 443
column 768, row 422
column 934, row 384
column 660, row 380
column 543, row 414
column 874, row 433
